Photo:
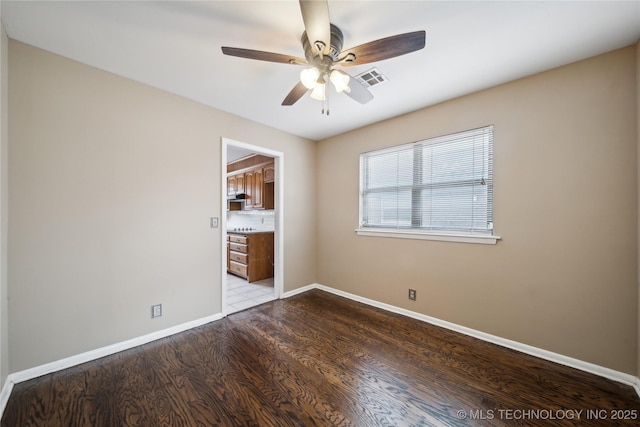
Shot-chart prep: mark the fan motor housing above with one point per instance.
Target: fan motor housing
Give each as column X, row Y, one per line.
column 335, row 47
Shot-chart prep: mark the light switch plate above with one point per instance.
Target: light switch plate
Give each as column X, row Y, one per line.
column 214, row 222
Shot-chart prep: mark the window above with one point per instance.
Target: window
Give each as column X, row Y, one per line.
column 437, row 187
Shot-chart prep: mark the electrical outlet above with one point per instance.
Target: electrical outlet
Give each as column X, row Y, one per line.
column 156, row 310
column 412, row 294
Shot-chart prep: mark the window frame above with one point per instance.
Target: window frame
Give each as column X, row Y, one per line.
column 412, row 232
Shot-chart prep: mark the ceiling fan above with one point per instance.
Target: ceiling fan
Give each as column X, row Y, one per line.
column 322, row 44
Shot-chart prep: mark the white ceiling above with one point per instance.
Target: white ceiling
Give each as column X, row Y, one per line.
column 235, row 153
column 175, row 46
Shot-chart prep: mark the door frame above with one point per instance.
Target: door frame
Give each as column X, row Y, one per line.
column 278, row 274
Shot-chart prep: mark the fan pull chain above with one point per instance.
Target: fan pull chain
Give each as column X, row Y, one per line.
column 325, row 101
column 327, row 97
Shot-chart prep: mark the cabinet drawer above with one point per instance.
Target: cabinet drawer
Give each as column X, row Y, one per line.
column 238, row 257
column 237, row 268
column 238, row 247
column 238, row 239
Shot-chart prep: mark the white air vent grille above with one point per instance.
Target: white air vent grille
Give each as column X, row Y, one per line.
column 371, row 77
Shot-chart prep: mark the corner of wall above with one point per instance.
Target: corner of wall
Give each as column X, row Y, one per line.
column 638, row 196
column 4, row 197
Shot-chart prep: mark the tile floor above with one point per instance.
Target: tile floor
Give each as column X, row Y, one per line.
column 242, row 294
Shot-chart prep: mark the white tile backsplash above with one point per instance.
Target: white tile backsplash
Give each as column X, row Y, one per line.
column 261, row 220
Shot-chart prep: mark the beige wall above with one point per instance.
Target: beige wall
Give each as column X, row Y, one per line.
column 112, row 184
column 564, row 277
column 111, row 187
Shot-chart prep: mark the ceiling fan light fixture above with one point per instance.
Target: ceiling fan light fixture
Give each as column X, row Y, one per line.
column 309, row 77
column 318, row 92
column 322, row 45
column 340, row 80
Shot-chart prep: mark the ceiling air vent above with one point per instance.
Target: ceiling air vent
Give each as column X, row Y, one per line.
column 371, row 77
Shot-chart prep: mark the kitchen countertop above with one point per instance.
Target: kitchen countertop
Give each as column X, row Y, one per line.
column 248, row 231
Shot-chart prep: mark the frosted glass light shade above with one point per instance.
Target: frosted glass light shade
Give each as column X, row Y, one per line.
column 309, row 77
column 340, row 81
column 318, row 92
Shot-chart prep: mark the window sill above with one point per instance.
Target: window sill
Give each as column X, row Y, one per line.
column 429, row 235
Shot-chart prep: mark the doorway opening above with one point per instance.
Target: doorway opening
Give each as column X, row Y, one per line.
column 252, row 225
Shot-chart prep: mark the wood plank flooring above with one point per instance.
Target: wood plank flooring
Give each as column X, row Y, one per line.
column 320, row 360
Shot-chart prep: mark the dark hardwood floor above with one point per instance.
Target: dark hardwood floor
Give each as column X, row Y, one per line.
column 320, row 360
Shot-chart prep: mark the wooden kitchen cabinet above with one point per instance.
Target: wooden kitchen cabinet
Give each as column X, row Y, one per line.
column 248, row 189
column 255, row 180
column 240, row 183
column 268, row 194
column 231, row 185
column 251, row 255
column 235, row 184
column 258, row 189
column 269, row 173
column 228, row 253
column 254, row 189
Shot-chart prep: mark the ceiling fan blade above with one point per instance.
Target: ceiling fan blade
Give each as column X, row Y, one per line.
column 358, row 92
column 386, row 48
column 296, row 93
column 315, row 14
column 263, row 56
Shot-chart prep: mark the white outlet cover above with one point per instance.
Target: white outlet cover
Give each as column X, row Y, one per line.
column 156, row 310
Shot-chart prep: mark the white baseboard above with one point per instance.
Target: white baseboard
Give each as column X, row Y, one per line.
column 300, row 290
column 514, row 345
column 7, row 388
column 58, row 365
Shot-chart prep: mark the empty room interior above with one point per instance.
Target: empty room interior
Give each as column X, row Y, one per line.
column 319, row 213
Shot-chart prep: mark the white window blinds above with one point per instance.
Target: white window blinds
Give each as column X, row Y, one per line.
column 440, row 184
